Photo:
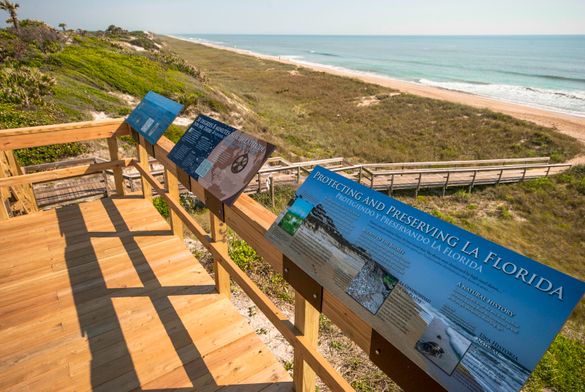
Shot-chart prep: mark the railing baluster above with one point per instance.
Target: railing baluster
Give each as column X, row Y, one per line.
column 118, row 179
column 500, row 177
column 4, row 215
column 143, row 161
column 307, row 322
column 4, row 191
column 446, row 183
column 173, row 188
column 418, row 185
column 218, row 231
column 472, row 181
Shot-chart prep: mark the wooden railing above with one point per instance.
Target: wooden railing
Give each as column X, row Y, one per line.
column 250, row 221
column 411, row 175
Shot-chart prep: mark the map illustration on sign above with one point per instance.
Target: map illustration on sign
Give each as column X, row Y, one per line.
column 153, row 115
column 221, row 158
column 472, row 314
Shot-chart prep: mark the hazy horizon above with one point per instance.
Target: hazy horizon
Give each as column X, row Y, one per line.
column 305, row 17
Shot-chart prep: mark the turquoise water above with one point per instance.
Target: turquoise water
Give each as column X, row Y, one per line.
column 540, row 71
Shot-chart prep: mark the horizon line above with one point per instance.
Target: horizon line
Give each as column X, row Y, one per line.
column 390, row 35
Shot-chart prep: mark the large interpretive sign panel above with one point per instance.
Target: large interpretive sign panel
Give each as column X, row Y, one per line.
column 221, row 158
column 153, row 115
column 474, row 315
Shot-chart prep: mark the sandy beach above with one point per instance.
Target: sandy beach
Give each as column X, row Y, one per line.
column 570, row 125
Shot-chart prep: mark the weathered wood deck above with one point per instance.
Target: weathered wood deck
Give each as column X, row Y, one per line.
column 101, row 296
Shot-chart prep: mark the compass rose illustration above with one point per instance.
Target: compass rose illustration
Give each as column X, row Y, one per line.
column 240, row 163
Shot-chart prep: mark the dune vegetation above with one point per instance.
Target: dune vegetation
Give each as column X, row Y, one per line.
column 50, row 76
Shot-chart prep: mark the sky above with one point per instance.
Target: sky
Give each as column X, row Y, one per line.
column 349, row 17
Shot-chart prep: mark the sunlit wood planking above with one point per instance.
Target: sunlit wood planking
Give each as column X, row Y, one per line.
column 102, row 296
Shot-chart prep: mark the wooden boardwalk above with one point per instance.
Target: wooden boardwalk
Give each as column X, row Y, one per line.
column 388, row 177
column 101, row 296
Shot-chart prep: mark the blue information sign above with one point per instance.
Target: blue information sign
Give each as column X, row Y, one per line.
column 221, row 158
column 474, row 315
column 153, row 115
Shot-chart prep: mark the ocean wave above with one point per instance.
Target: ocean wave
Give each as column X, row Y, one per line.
column 570, row 102
column 323, row 53
column 543, row 76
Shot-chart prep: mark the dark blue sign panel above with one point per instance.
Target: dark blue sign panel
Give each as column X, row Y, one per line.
column 221, row 158
column 474, row 315
column 153, row 115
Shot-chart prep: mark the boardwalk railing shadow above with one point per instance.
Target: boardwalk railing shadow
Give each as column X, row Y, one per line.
column 112, row 366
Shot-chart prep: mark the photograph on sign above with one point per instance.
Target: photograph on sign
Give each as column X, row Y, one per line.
column 153, row 115
column 472, row 314
column 221, row 158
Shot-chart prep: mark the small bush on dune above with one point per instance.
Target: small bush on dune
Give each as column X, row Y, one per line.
column 24, row 86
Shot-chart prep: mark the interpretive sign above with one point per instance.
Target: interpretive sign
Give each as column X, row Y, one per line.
column 153, row 115
column 472, row 314
column 221, row 158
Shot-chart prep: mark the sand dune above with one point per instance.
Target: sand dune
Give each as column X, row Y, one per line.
column 570, row 125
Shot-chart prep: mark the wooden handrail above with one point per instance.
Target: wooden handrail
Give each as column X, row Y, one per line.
column 456, row 163
column 11, row 139
column 61, row 174
column 321, row 366
column 470, row 170
column 250, row 220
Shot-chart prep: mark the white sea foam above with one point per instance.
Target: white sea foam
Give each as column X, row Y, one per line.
column 458, row 342
column 571, row 102
column 562, row 101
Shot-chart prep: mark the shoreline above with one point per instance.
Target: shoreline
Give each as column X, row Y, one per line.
column 567, row 124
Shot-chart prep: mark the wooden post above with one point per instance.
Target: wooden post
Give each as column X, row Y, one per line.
column 143, row 157
column 219, row 236
column 118, row 179
column 173, row 189
column 418, row 185
column 259, row 183
column 307, row 322
column 271, row 178
column 298, row 175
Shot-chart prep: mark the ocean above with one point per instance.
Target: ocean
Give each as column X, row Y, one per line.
column 546, row 72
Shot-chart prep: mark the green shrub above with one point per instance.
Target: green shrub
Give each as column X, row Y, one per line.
column 179, row 64
column 538, row 184
column 243, row 254
column 161, row 206
column 24, row 86
column 443, row 216
column 13, row 116
column 50, row 153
